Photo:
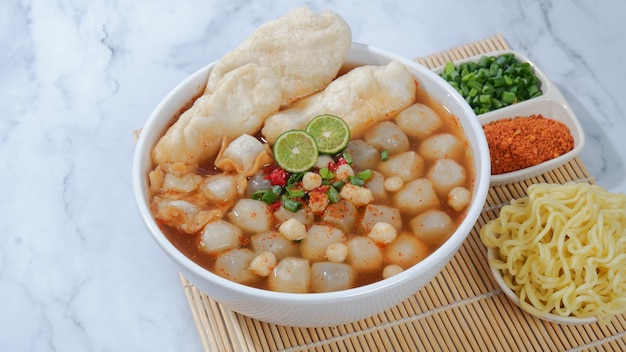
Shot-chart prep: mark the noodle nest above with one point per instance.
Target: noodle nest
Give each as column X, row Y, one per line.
column 562, row 250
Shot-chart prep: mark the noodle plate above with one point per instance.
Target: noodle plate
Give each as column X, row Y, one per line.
column 562, row 250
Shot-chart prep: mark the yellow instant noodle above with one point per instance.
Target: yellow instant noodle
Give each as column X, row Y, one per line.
column 562, row 250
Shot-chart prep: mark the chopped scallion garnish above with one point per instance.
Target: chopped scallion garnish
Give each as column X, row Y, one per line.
column 384, row 155
column 333, row 195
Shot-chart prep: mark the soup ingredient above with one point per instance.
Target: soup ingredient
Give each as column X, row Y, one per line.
column 562, row 250
column 197, row 135
column 291, row 275
column 295, row 151
column 263, row 264
column 329, row 277
column 419, row 120
column 362, row 97
column 442, row 145
column 305, row 49
column 331, row 133
column 219, row 236
column 391, row 270
column 336, row 252
column 234, row 265
column 433, row 226
column 459, row 198
column 521, row 142
column 405, row 251
column 493, row 81
column 387, row 135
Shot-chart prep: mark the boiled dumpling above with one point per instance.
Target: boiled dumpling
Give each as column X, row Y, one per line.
column 416, row 196
column 291, row 275
column 442, row 146
column 223, row 189
column 405, row 251
column 313, row 245
column 433, row 226
column 219, row 236
column 419, row 121
column 364, row 156
column 251, row 216
column 445, row 174
column 183, row 214
column 364, row 254
column 245, row 155
column 234, row 265
column 408, row 166
column 275, row 243
column 329, row 277
column 388, row 136
column 379, row 213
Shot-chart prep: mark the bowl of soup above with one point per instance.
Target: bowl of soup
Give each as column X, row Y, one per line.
column 364, row 227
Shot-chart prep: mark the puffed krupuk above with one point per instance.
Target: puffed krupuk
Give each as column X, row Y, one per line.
column 239, row 105
column 305, row 49
column 362, row 97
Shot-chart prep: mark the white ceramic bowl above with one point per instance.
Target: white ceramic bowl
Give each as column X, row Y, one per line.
column 553, row 318
column 319, row 309
column 551, row 104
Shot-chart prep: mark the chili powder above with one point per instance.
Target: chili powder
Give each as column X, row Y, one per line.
column 523, row 141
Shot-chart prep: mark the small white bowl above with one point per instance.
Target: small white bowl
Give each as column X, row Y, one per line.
column 553, row 318
column 319, row 309
column 551, row 104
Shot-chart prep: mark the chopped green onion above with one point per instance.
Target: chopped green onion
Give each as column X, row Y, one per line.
column 333, row 195
column 326, row 173
column 267, row 196
column 356, row 181
column 295, row 192
column 493, row 82
column 338, row 185
column 483, row 62
column 291, row 204
column 294, row 178
column 365, row 175
column 384, row 155
column 508, row 97
column 449, row 67
column 347, row 157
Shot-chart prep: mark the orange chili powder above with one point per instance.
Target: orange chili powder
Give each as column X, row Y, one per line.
column 520, row 142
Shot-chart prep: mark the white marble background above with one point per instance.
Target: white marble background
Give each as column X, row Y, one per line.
column 78, row 272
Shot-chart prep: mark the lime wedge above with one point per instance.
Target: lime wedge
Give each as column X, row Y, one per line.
column 331, row 133
column 295, row 151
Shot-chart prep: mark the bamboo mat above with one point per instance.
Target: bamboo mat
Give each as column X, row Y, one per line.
column 461, row 309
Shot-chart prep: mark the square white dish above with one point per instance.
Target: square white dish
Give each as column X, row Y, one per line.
column 551, row 104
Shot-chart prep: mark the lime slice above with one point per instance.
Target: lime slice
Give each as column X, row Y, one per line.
column 331, row 133
column 295, row 151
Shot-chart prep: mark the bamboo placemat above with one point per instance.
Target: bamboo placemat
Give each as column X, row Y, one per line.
column 461, row 309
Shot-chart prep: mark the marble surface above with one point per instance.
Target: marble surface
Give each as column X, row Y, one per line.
column 78, row 271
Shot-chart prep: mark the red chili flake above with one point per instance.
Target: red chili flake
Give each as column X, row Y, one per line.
column 333, row 165
column 274, row 206
column 323, row 188
column 276, row 176
column 269, row 168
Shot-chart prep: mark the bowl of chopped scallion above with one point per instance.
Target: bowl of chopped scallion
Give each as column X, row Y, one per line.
column 495, row 80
